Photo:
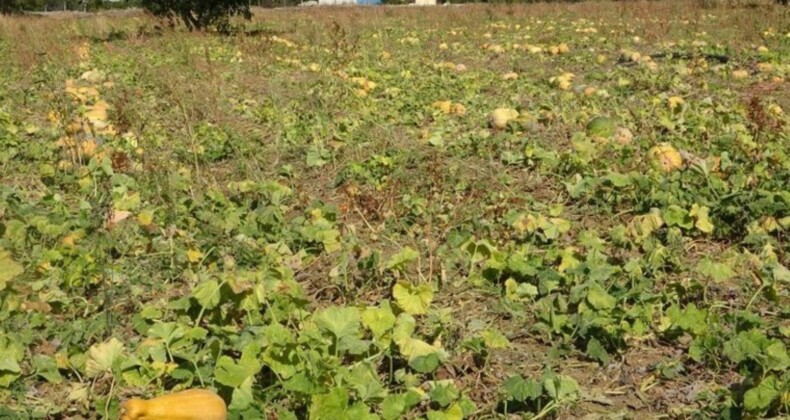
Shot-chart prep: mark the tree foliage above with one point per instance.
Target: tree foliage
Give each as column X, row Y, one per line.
column 199, row 14
column 9, row 6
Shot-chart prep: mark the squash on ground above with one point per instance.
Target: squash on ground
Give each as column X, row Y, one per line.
column 192, row 404
column 665, row 157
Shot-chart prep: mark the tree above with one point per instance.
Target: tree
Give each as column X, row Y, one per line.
column 9, row 6
column 199, row 14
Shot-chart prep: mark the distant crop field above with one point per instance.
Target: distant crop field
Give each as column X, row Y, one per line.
column 568, row 211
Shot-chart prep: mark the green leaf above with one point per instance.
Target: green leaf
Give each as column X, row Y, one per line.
column 718, row 272
column 599, row 299
column 167, row 331
column 691, row 319
column 596, row 351
column 760, row 397
column 340, row 322
column 479, row 250
column 317, row 156
column 10, row 355
column 781, row 274
column 360, row 411
column 494, row 339
column 330, row 406
column 424, row 362
column 555, row 227
column 207, row 293
column 776, row 357
column 242, row 396
column 619, row 180
column 454, row 412
column 378, row 320
column 703, row 222
column 127, row 202
column 561, row 388
column 518, row 389
column 232, row 374
column 444, row 394
column 103, row 357
column 302, row 383
column 744, row 346
column 395, row 406
column 468, row 406
column 569, row 260
column 8, row 268
column 362, row 379
column 526, row 290
column 675, row 215
column 47, row 368
column 414, row 300
column 322, row 230
column 399, row 261
column 405, row 325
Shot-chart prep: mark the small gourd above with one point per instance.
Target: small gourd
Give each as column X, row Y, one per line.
column 501, row 116
column 192, row 404
column 665, row 157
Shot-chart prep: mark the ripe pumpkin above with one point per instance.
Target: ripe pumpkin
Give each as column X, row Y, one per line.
column 501, row 116
column 192, row 404
column 445, row 106
column 623, row 136
column 665, row 157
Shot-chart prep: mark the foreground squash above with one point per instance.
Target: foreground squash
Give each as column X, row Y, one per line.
column 192, row 404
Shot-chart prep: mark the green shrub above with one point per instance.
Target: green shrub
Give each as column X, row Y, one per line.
column 199, row 14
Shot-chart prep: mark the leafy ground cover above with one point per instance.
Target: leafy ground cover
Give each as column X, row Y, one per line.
column 568, row 211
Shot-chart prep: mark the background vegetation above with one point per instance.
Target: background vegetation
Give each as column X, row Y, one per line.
column 323, row 216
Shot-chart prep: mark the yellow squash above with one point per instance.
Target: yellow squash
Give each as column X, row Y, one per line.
column 192, row 404
column 501, row 116
column 665, row 157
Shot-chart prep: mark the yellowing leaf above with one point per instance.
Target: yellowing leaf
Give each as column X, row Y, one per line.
column 675, row 101
column 703, row 222
column 526, row 223
column 414, row 300
column 495, row 339
column 78, row 393
column 102, row 357
column 379, row 320
column 413, row 347
column 194, row 256
column 145, row 217
column 643, row 226
column 8, row 268
column 569, row 260
column 454, row 412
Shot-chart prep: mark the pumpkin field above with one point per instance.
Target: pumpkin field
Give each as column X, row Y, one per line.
column 556, row 211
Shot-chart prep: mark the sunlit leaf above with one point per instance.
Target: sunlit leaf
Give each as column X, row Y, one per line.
column 413, row 299
column 8, row 268
column 340, row 322
column 103, row 357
